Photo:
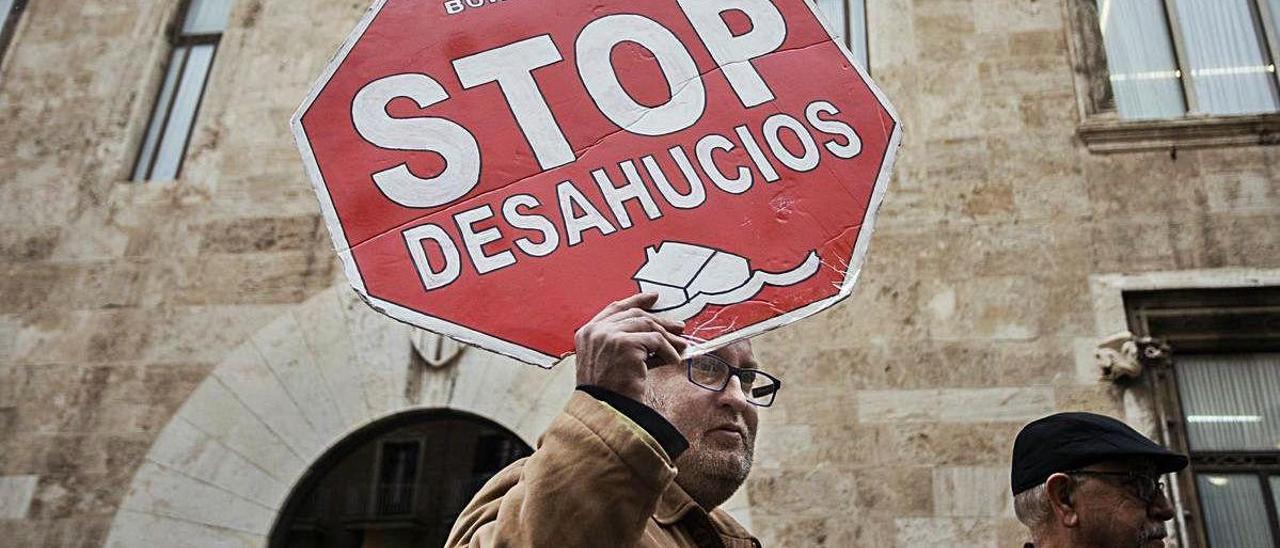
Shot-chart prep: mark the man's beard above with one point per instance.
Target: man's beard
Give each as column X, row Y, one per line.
column 711, row 474
column 1151, row 532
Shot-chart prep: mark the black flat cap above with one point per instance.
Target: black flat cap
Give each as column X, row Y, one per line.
column 1069, row 441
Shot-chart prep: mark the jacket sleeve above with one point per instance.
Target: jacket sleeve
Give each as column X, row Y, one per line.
column 594, row 480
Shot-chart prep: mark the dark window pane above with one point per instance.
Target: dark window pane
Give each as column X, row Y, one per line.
column 1226, row 56
column 847, row 19
column 1144, row 71
column 207, row 17
column 152, row 138
column 1234, row 511
column 1229, row 401
column 401, row 482
column 177, row 129
column 1275, row 494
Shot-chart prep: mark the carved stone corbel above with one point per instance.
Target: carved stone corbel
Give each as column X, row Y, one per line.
column 1124, row 356
column 437, row 351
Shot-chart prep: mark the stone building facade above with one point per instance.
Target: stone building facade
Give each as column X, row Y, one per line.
column 175, row 356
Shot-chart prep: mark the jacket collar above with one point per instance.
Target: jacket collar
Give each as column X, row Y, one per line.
column 675, row 504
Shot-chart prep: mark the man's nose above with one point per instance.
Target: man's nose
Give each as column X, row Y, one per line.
column 733, row 392
column 1160, row 507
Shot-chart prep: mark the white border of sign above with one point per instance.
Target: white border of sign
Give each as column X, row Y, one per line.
column 489, row 342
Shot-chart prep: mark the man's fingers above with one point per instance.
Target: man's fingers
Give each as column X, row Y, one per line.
column 674, row 326
column 639, row 300
column 658, row 346
column 678, row 343
column 638, row 323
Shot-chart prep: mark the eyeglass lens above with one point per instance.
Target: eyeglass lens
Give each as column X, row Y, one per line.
column 713, row 374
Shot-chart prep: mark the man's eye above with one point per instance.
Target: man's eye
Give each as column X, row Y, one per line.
column 705, row 367
column 748, row 378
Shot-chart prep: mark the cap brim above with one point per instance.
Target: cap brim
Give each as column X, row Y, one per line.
column 1170, row 462
column 1165, row 461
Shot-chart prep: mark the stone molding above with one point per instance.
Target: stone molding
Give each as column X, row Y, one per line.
column 1107, row 134
column 1103, row 131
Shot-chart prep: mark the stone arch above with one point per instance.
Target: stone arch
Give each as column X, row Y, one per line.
column 223, row 466
column 220, row 470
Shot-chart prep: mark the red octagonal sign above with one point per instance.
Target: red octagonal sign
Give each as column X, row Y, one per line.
column 498, row 170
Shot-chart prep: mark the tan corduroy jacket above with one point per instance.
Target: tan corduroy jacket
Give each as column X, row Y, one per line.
column 597, row 479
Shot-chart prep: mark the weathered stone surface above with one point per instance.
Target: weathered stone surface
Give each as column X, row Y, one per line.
column 955, row 405
column 972, row 491
column 975, row 310
column 957, row 532
column 15, row 495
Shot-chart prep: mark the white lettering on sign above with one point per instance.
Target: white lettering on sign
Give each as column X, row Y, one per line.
column 705, row 149
column 474, row 241
column 578, row 214
column 853, row 144
column 773, row 127
column 512, row 66
column 697, row 191
column 452, row 7
column 523, row 227
column 415, row 238
column 734, row 53
column 513, row 216
column 452, row 141
column 594, row 48
column 617, row 197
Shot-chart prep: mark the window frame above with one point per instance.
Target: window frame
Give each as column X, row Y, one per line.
column 1101, row 128
column 1142, row 306
column 9, row 26
column 174, row 39
column 846, row 29
column 376, row 485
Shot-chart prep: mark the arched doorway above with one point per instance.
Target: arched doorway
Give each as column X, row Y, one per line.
column 259, row 427
column 400, row 481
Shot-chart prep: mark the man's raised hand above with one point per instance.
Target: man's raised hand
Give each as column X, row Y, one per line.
column 618, row 346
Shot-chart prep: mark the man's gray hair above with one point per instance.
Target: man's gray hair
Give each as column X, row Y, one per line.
column 1032, row 507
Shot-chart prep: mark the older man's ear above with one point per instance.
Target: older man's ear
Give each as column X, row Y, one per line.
column 1059, row 489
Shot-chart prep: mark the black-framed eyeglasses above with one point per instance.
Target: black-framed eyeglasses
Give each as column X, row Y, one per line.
column 713, row 373
column 1143, row 486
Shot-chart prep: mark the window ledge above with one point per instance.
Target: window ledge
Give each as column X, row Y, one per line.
column 1112, row 135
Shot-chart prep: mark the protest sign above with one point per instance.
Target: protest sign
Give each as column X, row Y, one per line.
column 498, row 170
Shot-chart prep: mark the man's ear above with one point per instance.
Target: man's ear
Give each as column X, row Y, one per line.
column 1060, row 490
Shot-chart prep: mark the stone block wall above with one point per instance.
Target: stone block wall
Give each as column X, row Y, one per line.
column 974, row 315
column 118, row 298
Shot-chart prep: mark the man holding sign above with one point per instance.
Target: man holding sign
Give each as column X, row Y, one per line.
column 727, row 155
column 645, row 451
column 497, row 170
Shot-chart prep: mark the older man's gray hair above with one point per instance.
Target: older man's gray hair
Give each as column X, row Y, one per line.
column 1032, row 507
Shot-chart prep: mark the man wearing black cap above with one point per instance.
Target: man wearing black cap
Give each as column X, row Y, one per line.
column 1084, row 480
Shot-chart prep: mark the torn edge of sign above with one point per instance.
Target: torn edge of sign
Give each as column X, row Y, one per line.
column 547, row 361
column 858, row 258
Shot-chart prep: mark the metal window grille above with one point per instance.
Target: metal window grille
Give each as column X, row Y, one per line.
column 397, row 477
column 1219, row 403
column 195, row 38
column 849, row 19
column 1174, row 58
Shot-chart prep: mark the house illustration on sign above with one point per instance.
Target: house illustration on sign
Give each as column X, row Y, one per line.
column 688, row 277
